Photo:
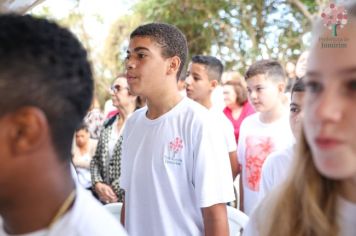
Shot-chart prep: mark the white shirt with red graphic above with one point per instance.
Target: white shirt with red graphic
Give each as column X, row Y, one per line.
column 256, row 141
column 171, row 168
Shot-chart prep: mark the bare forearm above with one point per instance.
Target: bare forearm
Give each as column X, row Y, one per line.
column 216, row 228
column 235, row 167
column 122, row 216
column 241, row 193
column 215, row 220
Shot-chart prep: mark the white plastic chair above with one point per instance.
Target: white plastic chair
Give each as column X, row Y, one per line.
column 237, row 220
column 114, row 209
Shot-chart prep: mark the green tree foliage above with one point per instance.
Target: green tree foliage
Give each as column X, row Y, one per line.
column 237, row 31
column 74, row 21
column 117, row 42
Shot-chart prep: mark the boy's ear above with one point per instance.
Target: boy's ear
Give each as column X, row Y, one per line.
column 281, row 87
column 214, row 83
column 29, row 129
column 173, row 66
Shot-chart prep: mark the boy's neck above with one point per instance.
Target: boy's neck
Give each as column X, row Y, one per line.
column 162, row 103
column 206, row 103
column 274, row 114
column 40, row 206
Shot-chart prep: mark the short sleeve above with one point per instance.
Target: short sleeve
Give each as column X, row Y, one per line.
column 241, row 142
column 126, row 166
column 212, row 173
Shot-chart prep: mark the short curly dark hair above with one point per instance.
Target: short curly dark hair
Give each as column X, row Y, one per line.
column 169, row 37
column 45, row 66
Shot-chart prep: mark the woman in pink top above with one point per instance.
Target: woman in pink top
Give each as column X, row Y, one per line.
column 237, row 105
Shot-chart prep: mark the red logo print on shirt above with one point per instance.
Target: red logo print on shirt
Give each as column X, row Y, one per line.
column 257, row 150
column 176, row 145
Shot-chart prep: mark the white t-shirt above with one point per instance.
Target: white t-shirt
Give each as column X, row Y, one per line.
column 346, row 220
column 226, row 127
column 171, row 168
column 217, row 98
column 256, row 141
column 275, row 170
column 347, row 217
column 86, row 218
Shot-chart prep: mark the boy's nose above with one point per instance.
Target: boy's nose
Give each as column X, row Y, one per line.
column 129, row 64
column 252, row 94
column 188, row 80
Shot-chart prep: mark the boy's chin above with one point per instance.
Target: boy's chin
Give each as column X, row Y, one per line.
column 259, row 108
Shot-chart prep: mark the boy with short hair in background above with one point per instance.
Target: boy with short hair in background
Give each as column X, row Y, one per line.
column 265, row 131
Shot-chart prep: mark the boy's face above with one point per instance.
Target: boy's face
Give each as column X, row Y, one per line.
column 263, row 93
column 146, row 68
column 296, row 112
column 198, row 85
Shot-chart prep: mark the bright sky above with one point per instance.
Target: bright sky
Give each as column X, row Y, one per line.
column 105, row 10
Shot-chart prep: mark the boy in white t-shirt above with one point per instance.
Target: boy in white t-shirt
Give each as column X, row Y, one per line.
column 204, row 75
column 266, row 131
column 46, row 86
column 277, row 165
column 174, row 173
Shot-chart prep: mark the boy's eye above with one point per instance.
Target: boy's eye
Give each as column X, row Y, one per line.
column 196, row 78
column 313, row 87
column 294, row 110
column 127, row 57
column 141, row 55
column 351, row 85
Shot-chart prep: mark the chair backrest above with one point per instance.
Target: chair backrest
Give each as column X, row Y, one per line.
column 114, row 209
column 237, row 220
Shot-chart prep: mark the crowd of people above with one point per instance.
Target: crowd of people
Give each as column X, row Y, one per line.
column 172, row 157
